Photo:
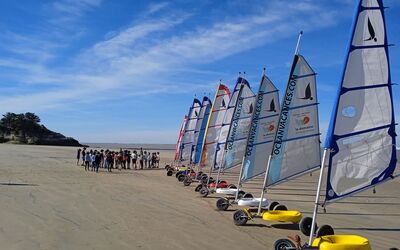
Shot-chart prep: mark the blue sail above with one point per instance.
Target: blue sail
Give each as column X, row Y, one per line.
column 188, row 133
column 201, row 129
column 361, row 137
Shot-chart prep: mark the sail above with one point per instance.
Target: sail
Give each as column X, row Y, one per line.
column 219, row 152
column 188, row 133
column 200, row 129
column 178, row 143
column 262, row 130
column 239, row 129
column 296, row 148
column 361, row 137
column 220, row 104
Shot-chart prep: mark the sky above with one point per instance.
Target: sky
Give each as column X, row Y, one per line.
column 123, row 71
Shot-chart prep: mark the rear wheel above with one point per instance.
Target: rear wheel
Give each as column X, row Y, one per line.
column 324, row 230
column 280, row 207
column 305, row 225
column 241, row 194
column 240, row 218
column 284, row 244
column 198, row 187
column 204, row 192
column 230, row 185
column 169, row 173
column 222, row 204
column 272, row 205
column 247, row 195
column 187, row 181
column 181, row 177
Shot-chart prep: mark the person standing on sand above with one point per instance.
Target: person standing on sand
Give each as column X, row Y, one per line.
column 83, row 156
column 98, row 161
column 87, row 161
column 158, row 159
column 141, row 158
column 134, row 159
column 109, row 160
column 128, row 159
column 78, row 156
column 92, row 160
column 145, row 159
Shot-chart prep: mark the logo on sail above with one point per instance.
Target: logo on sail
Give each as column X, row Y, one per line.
column 307, row 93
column 272, row 106
column 196, row 114
column 303, row 120
column 250, row 109
column 371, row 31
column 223, row 103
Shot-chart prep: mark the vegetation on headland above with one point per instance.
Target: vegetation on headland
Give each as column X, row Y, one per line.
column 26, row 129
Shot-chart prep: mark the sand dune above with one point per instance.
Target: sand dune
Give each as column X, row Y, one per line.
column 47, row 202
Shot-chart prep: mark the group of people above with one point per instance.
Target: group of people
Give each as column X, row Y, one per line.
column 123, row 159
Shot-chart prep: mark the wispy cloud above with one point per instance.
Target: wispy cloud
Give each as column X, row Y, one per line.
column 145, row 54
column 156, row 7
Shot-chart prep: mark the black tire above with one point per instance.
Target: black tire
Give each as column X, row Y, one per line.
column 198, row 187
column 222, row 204
column 204, row 192
column 241, row 194
column 272, row 205
column 240, row 218
column 231, row 186
column 280, row 207
column 178, row 173
column 169, row 173
column 167, row 167
column 325, row 230
column 187, row 181
column 181, row 177
column 284, row 244
column 204, row 181
column 247, row 195
column 305, row 225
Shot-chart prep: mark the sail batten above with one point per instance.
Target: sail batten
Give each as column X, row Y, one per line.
column 361, row 136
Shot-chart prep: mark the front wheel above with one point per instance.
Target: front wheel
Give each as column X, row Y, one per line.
column 169, row 173
column 181, row 177
column 305, row 225
column 240, row 218
column 284, row 244
column 222, row 204
column 324, row 230
column 187, row 181
column 198, row 187
column 204, row 192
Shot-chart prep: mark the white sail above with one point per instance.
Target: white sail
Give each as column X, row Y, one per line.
column 239, row 129
column 296, row 148
column 219, row 152
column 362, row 134
column 188, row 134
column 262, row 130
column 220, row 104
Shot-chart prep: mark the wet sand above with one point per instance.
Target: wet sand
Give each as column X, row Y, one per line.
column 47, row 202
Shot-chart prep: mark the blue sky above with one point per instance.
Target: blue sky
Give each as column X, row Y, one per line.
column 126, row 71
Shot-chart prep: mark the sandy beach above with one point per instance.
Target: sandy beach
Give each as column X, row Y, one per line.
column 47, row 202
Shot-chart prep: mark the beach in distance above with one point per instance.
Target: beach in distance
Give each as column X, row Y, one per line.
column 47, row 202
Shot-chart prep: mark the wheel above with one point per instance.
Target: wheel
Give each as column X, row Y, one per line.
column 241, row 194
column 230, row 185
column 284, row 244
column 178, row 173
column 204, row 192
column 222, row 204
column 325, row 230
column 167, row 167
column 169, row 173
column 181, row 177
column 240, row 218
column 198, row 187
column 272, row 205
column 247, row 195
column 305, row 225
column 187, row 181
column 280, row 207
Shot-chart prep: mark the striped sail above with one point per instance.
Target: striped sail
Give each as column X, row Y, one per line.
column 296, row 148
column 361, row 137
column 201, row 129
column 262, row 130
column 239, row 130
column 220, row 104
column 178, row 143
column 219, row 152
column 188, row 133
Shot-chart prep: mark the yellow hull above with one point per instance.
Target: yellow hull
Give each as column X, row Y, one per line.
column 341, row 242
column 282, row 216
